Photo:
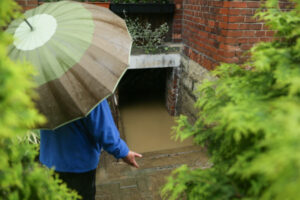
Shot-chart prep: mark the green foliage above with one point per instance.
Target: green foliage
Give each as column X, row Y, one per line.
column 249, row 120
column 20, row 176
column 31, row 137
column 144, row 37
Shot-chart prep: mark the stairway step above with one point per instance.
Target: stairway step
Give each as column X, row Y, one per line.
column 117, row 181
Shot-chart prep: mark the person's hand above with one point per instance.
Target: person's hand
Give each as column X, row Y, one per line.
column 130, row 159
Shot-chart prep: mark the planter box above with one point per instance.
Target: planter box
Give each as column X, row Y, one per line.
column 150, row 8
column 101, row 4
column 161, row 59
column 148, row 61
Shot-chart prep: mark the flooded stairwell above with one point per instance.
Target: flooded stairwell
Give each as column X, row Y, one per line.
column 146, row 125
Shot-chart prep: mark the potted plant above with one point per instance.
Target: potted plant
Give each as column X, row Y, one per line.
column 146, row 39
column 142, row 6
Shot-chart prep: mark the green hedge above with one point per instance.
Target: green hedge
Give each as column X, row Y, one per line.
column 249, row 120
column 20, row 177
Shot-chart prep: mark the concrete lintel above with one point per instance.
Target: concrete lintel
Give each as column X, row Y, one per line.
column 145, row 61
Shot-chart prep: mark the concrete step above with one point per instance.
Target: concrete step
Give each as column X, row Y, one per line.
column 118, row 181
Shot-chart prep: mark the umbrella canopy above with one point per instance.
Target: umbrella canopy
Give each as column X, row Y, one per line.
column 80, row 52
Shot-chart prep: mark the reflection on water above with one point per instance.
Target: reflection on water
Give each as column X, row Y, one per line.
column 147, row 126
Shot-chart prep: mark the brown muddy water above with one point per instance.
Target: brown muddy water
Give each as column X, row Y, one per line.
column 147, row 127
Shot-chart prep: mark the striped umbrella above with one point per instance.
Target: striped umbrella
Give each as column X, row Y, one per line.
column 80, row 52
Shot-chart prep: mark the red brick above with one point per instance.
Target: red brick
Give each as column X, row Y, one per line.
column 221, row 18
column 236, row 19
column 240, row 11
column 226, row 53
column 249, row 33
column 176, row 36
column 246, row 47
column 29, row 7
column 235, row 4
column 233, row 26
column 229, row 60
column 230, row 40
column 188, row 12
column 211, row 23
column 217, row 3
column 224, row 19
column 269, row 39
column 250, row 26
column 223, row 25
column 224, row 32
column 252, row 4
column 242, row 40
column 32, row 2
column 229, row 47
column 253, row 40
column 178, row 6
column 223, row 11
column 234, row 11
column 233, row 33
column 213, row 37
column 177, row 17
column 200, row 21
column 260, row 33
column 208, row 29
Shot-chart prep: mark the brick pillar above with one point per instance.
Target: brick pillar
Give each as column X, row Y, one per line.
column 215, row 31
column 177, row 21
column 172, row 90
column 27, row 4
column 239, row 30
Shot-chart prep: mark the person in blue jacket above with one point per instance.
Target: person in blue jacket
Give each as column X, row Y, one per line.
column 74, row 149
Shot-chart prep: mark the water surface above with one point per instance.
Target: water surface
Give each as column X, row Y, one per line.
column 147, row 126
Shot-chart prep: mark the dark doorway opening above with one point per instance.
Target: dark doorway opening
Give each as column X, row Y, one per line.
column 142, row 85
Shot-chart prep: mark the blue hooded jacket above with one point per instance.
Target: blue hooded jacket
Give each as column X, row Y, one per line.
column 76, row 147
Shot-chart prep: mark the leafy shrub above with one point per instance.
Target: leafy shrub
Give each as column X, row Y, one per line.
column 249, row 120
column 20, row 176
column 144, row 37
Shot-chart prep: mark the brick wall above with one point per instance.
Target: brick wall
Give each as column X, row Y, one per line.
column 213, row 32
column 221, row 31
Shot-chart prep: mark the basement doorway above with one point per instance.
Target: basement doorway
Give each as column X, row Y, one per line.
column 145, row 122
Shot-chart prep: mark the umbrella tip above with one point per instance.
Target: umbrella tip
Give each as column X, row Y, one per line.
column 27, row 22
